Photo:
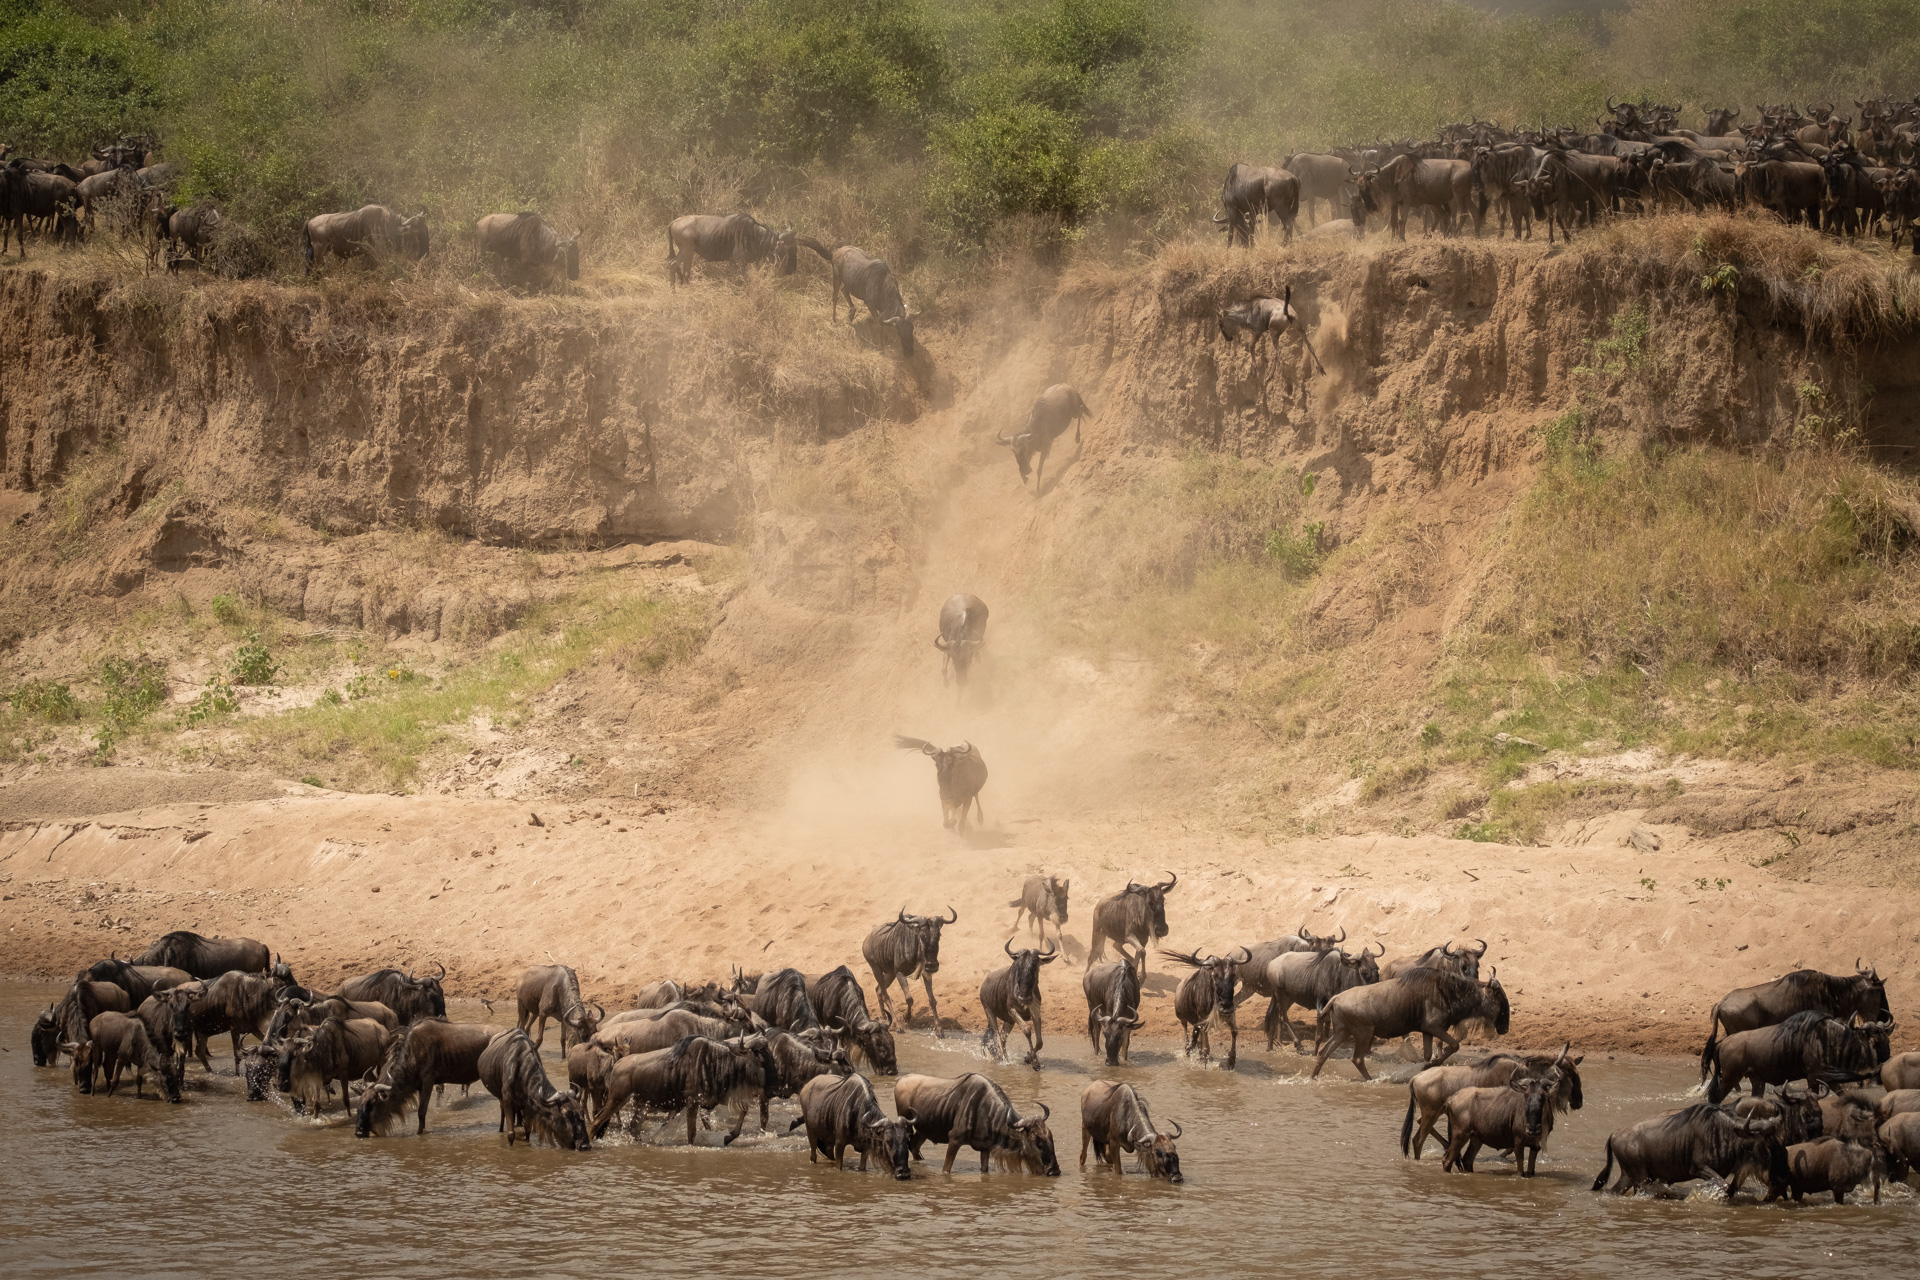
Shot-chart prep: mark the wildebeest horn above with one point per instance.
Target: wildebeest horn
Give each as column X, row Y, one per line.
column 952, row 915
column 1050, row 949
column 964, row 749
column 1369, row 947
column 1008, row 947
column 1131, row 887
column 902, row 917
column 1172, row 880
column 940, row 643
column 1045, row 1112
column 1493, row 975
column 1610, row 105
column 1343, row 935
column 1248, row 953
column 1483, row 947
column 1177, row 1130
column 1218, row 218
column 1446, row 948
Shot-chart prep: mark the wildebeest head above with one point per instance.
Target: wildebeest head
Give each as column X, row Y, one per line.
column 570, row 250
column 1114, row 1030
column 1036, row 1144
column 430, row 986
column 1160, row 1156
column 1025, row 984
column 901, row 324
column 1871, row 1045
column 929, row 927
column 1537, row 1095
column 1494, row 1007
column 282, row 974
column 583, row 1020
column 1155, row 897
column 571, row 1126
column 45, row 1038
column 944, row 762
column 413, row 238
column 1058, row 889
column 84, row 1056
column 1366, row 965
column 1720, row 120
column 259, row 1063
column 891, row 1141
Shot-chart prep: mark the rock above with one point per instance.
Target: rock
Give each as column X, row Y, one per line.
column 1645, row 840
column 1505, row 740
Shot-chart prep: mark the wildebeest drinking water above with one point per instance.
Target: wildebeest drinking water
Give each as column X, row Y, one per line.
column 1113, row 1119
column 960, row 771
column 1058, row 408
column 973, row 1111
column 963, row 630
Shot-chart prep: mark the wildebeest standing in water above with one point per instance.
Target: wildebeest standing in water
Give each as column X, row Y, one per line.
column 206, row 957
column 1427, row 1092
column 960, row 771
column 1695, row 1142
column 905, row 947
column 1312, row 978
column 841, row 1006
column 1516, row 1117
column 1251, row 191
column 530, row 240
column 1058, row 408
column 841, row 1112
column 963, row 629
column 1138, row 913
column 1113, row 1004
column 973, row 1111
column 1012, row 995
column 1428, row 1001
column 511, row 1071
column 1113, row 1119
column 553, row 991
column 408, row 996
column 1263, row 315
column 371, row 228
column 1807, row 1046
column 1042, row 898
column 427, row 1054
column 739, row 238
column 1207, row 995
column 1804, row 990
column 1253, row 981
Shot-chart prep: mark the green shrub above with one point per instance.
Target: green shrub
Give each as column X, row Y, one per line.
column 133, row 688
column 217, row 699
column 226, row 610
column 47, row 699
column 252, row 664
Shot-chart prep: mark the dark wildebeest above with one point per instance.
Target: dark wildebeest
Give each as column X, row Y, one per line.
column 588, row 1066
column 189, row 231
column 739, row 238
column 1504, row 173
column 116, row 189
column 409, row 997
column 1138, row 914
column 1428, row 1091
column 1321, row 177
column 1900, row 1072
column 782, row 1002
column 528, row 239
column 553, row 991
column 429, row 1053
column 841, row 1112
column 871, row 280
column 1042, row 898
column 118, row 1041
column 1720, row 121
column 1253, row 978
column 138, row 981
column 796, row 1061
column 338, row 1049
column 973, row 1111
column 66, row 1021
column 1701, row 1141
column 642, row 1035
column 1802, row 991
column 960, row 772
column 1262, row 315
column 907, row 947
column 206, row 957
column 842, row 1007
column 963, row 629
column 240, row 1004
column 1406, row 182
column 1835, row 1165
column 1807, row 1046
column 1516, row 1117
column 1113, row 1004
column 1113, row 1119
column 1058, row 407
column 1464, row 961
column 1795, row 190
column 167, row 1020
column 1251, row 191
column 657, row 1080
column 26, row 195
column 1429, row 1001
column 510, row 1069
column 1312, row 978
column 371, row 228
column 292, row 1014
column 1012, row 995
column 1205, row 996
column 1798, row 1112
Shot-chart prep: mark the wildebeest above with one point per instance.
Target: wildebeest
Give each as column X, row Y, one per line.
column 1834, row 1165
column 1900, row 1139
column 860, row 275
column 408, row 996
column 782, row 1001
column 66, row 1021
column 1312, row 978
column 963, row 629
column 1901, row 1072
column 1464, row 961
column 657, row 1080
column 1807, row 1046
column 189, row 231
column 118, row 189
column 1570, row 184
column 528, row 239
column 1113, row 1119
column 588, row 1066
column 973, row 1111
column 1695, row 1142
column 427, row 1054
column 117, row 1041
column 1802, row 991
column 641, row 1035
column 1251, row 191
column 1516, row 1117
column 238, row 1003
column 1429, row 1001
column 1428, row 1091
column 1504, row 173
column 1205, row 996
column 1795, row 190
column 1321, row 177
column 1407, row 182
column 339, row 1049
column 841, row 1112
column 1042, row 898
column 797, row 1061
column 1058, row 408
column 1137, row 914
column 735, row 237
column 206, row 957
column 907, row 947
column 1262, row 315
column 26, row 195
column 511, row 1071
column 1113, row 1004
column 292, row 1014
column 1012, row 995
column 553, row 991
column 841, row 1005
column 138, row 981
column 960, row 772
column 371, row 228
column 1253, row 979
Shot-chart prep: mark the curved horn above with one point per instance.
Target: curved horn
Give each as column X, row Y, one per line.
column 1177, row 1130
column 1172, row 880
column 1493, row 975
column 902, row 917
column 1248, row 953
column 1218, row 218
column 952, row 915
column 1301, row 932
column 1483, row 947
column 600, row 1012
column 1007, row 946
column 1045, row 1112
column 1343, row 936
column 1446, row 948
column 442, row 968
column 1050, row 948
column 940, row 643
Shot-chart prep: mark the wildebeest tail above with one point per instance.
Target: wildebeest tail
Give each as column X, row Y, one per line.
column 1713, row 1030
column 905, row 743
column 306, row 246
column 795, row 1123
column 1600, row 1183
column 1406, row 1126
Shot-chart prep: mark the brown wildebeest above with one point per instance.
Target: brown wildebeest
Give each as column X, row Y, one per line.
column 641, row 1035
column 1042, row 898
column 973, row 1111
column 118, row 1041
column 1516, row 1117
column 427, row 1054
column 138, row 981
column 781, row 1001
column 960, row 772
column 553, row 991
column 1321, row 177
column 1012, row 995
column 588, row 1067
column 796, row 1061
column 530, row 240
column 963, row 629
column 1901, row 1072
column 907, row 947
column 372, row 228
column 240, row 1004
column 339, row 1049
column 1900, row 1139
column 1429, row 1001
column 1251, row 191
column 529, row 1104
column 1262, row 315
column 837, row 998
column 1807, row 1046
column 1696, row 1142
column 1058, row 408
column 408, row 996
column 1427, row 1092
column 1804, row 990
column 206, row 957
column 1113, row 1003
column 1406, row 182
column 1206, row 996
column 1464, row 961
column 860, row 275
column 1113, row 1119
column 841, row 1112
column 1835, row 1165
column 735, row 237
column 1312, row 978
column 67, row 1020
column 27, row 194
column 1253, row 979
column 656, row 1080
column 1137, row 914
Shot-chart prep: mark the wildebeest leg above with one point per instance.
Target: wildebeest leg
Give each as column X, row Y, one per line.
column 236, row 1035
column 907, row 995
column 1452, row 1047
column 953, row 1149
column 426, row 1092
column 1362, row 1042
column 939, row 1033
column 1085, row 1138
column 980, row 814
column 539, row 1028
column 200, row 1051
column 1036, row 1039
column 693, row 1115
column 1473, row 1149
column 1233, row 1044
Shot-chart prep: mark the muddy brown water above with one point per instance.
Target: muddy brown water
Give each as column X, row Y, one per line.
column 1281, row 1174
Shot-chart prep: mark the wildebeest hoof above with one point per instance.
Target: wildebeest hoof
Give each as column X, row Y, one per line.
column 728, row 1140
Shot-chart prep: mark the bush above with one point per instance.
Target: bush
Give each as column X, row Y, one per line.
column 51, row 701
column 252, row 664
column 226, row 610
column 133, row 688
column 217, row 699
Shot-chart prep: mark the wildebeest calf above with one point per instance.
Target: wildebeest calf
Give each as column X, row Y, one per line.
column 1042, row 898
